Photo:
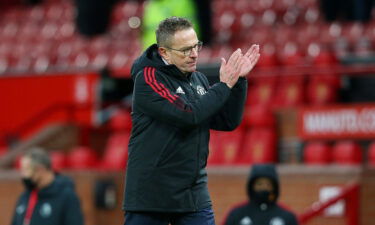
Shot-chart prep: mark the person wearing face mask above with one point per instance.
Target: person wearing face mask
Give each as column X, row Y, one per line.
column 49, row 198
column 262, row 209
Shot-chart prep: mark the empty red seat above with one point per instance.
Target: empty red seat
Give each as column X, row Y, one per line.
column 321, row 90
column 290, row 92
column 58, row 160
column 317, row 153
column 268, row 57
column 371, row 154
column 321, row 55
column 259, row 147
column 121, row 120
column 291, row 55
column 224, row 147
column 116, row 152
column 347, row 153
column 261, row 91
column 82, row 158
column 259, row 116
column 3, row 151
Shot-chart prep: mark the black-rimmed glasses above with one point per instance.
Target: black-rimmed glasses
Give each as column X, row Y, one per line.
column 187, row 51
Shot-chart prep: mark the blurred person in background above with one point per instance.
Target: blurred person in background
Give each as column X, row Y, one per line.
column 93, row 16
column 196, row 11
column 262, row 208
column 174, row 107
column 349, row 10
column 49, row 198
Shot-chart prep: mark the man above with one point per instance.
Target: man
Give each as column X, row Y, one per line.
column 49, row 199
column 173, row 109
column 263, row 190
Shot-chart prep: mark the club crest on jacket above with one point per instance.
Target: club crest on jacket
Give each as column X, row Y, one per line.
column 201, row 90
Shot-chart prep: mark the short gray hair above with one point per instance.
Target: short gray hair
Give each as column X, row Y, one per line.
column 39, row 156
column 168, row 27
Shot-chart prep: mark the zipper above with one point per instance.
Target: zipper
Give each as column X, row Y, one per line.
column 195, row 96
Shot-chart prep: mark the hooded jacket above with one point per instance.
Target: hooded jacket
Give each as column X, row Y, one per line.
column 257, row 212
column 57, row 204
column 168, row 148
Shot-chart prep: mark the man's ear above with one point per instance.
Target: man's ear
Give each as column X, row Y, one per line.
column 163, row 52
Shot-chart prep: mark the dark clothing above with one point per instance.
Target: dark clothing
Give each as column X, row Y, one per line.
column 253, row 214
column 57, row 204
column 205, row 216
column 168, row 149
column 349, row 10
column 261, row 213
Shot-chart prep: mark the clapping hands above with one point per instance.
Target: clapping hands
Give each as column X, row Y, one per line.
column 238, row 65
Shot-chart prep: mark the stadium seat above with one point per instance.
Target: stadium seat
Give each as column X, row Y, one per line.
column 290, row 92
column 116, row 151
column 259, row 147
column 82, row 157
column 3, row 151
column 371, row 154
column 259, row 116
column 268, row 57
column 224, row 147
column 320, row 55
column 347, row 153
column 317, row 153
column 58, row 160
column 261, row 91
column 322, row 89
column 121, row 121
column 291, row 55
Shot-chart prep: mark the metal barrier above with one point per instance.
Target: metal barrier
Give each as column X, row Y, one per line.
column 350, row 194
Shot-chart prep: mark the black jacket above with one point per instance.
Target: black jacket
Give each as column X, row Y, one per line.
column 254, row 213
column 57, row 205
column 168, row 149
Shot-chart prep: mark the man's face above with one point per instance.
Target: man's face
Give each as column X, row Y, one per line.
column 29, row 170
column 173, row 54
column 263, row 184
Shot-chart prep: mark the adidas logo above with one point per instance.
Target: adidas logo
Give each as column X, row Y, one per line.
column 180, row 91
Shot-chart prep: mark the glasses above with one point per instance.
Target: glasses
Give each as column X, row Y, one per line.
column 187, row 51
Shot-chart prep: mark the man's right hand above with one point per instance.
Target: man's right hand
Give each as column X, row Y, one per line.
column 230, row 71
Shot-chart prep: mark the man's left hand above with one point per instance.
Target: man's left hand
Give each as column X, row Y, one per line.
column 250, row 59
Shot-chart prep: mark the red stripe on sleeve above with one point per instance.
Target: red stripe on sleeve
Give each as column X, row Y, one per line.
column 148, row 78
column 161, row 86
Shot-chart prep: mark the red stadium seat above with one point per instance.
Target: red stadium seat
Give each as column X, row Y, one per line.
column 261, row 91
column 322, row 90
column 347, row 153
column 291, row 55
column 268, row 57
column 116, row 152
column 17, row 162
column 82, row 158
column 58, row 160
column 259, row 147
column 371, row 154
column 290, row 92
column 224, row 147
column 3, row 151
column 317, row 153
column 320, row 55
column 121, row 121
column 259, row 116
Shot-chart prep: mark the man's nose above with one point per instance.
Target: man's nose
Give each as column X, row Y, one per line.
column 194, row 53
